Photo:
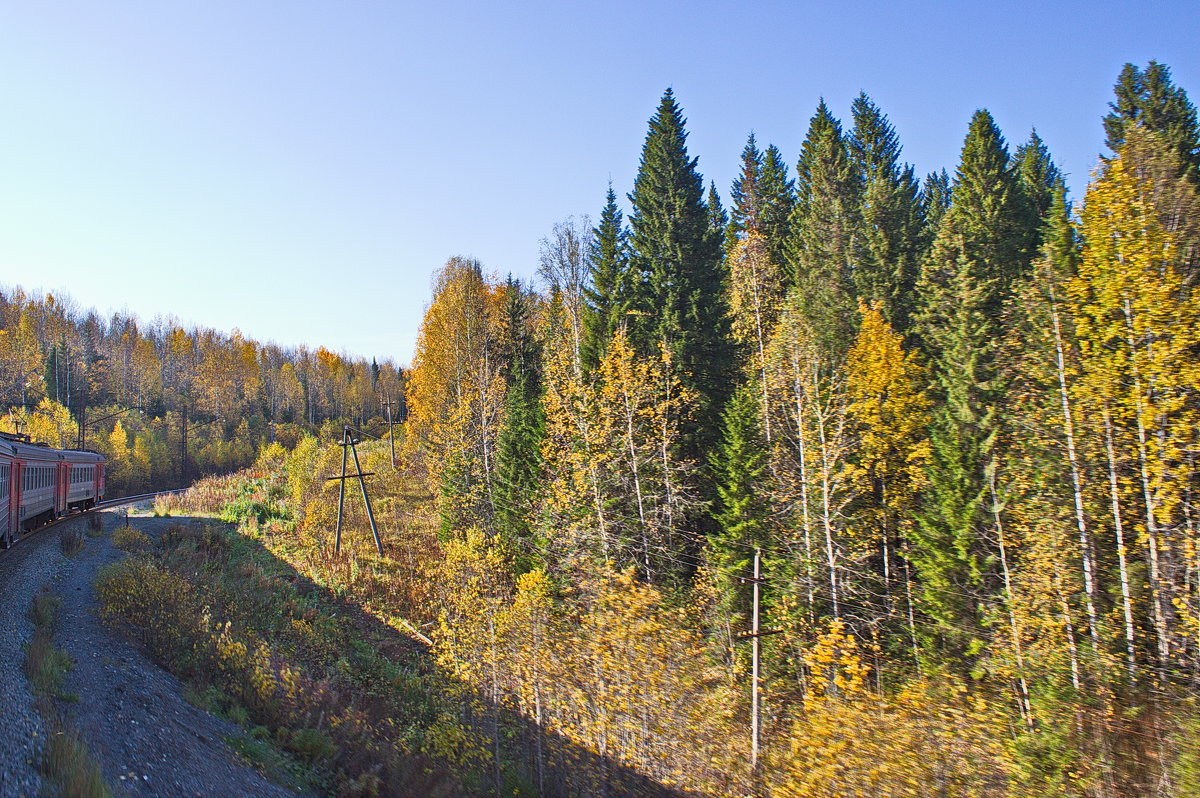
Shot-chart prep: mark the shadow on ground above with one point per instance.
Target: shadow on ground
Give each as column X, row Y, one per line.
column 532, row 760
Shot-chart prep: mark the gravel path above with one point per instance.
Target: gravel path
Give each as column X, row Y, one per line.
column 148, row 740
column 23, row 570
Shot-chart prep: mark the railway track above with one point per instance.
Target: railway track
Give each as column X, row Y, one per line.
column 108, row 504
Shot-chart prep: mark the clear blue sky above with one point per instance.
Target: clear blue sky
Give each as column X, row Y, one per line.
column 299, row 169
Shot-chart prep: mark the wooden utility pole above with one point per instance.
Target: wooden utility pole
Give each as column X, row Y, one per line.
column 348, row 448
column 183, row 446
column 755, row 670
column 754, row 721
column 391, row 429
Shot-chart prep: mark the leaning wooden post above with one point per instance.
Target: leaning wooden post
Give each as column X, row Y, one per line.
column 337, row 535
column 362, row 483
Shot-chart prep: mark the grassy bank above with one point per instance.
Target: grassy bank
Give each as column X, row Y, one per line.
column 305, row 671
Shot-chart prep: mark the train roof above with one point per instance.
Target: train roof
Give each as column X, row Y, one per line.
column 20, row 446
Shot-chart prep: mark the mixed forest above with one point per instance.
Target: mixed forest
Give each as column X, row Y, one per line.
column 855, row 482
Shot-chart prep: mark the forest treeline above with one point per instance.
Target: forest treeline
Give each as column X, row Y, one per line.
column 167, row 403
column 957, row 417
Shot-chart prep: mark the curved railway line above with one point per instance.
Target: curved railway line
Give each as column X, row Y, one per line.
column 107, row 504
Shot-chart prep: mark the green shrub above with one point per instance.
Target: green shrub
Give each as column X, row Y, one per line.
column 129, row 539
column 312, row 745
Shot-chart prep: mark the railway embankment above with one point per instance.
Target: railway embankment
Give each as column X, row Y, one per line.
column 133, row 717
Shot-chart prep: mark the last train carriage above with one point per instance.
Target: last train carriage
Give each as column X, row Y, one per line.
column 39, row 484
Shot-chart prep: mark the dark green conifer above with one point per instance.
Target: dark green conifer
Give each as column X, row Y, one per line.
column 607, row 295
column 718, row 219
column 935, row 199
column 518, row 446
column 679, row 297
column 763, row 197
column 890, row 249
column 964, row 285
column 986, row 221
column 1149, row 98
column 1038, row 178
column 746, row 194
column 742, row 509
column 823, row 244
column 778, row 197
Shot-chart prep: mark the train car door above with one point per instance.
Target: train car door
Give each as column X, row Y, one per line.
column 99, row 477
column 16, row 482
column 8, row 530
column 62, row 487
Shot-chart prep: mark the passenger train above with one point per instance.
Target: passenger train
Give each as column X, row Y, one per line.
column 39, row 484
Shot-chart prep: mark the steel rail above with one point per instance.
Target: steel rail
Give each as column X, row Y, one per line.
column 107, row 504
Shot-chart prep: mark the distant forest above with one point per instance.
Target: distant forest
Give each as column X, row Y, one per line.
column 168, row 404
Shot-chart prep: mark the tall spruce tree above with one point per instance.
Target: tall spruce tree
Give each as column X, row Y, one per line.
column 1149, row 98
column 718, row 219
column 823, row 245
column 678, row 287
column 742, row 509
column 746, row 193
column 890, row 250
column 608, row 292
column 518, row 445
column 778, row 197
column 1038, row 178
column 964, row 284
column 763, row 197
column 935, row 199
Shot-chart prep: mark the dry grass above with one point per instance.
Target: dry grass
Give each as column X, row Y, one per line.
column 217, row 609
column 45, row 665
column 71, row 540
column 207, row 497
column 71, row 769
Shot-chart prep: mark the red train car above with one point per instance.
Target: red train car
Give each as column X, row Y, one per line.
column 39, row 484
